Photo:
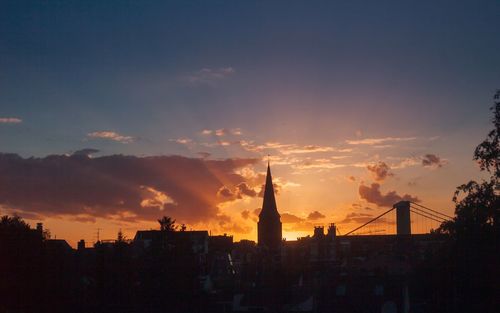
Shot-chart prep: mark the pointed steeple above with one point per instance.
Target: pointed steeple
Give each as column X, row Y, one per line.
column 269, row 232
column 269, row 207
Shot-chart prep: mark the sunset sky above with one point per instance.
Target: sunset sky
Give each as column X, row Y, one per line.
column 115, row 113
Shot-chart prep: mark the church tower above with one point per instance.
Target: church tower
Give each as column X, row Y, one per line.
column 269, row 225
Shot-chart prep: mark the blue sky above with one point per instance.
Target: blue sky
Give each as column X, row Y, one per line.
column 294, row 72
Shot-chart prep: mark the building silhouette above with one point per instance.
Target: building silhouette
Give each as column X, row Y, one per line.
column 269, row 225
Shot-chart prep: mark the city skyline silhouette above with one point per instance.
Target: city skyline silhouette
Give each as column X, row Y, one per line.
column 249, row 156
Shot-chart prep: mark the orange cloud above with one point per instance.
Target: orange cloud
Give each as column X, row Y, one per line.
column 316, row 215
column 287, row 218
column 360, row 218
column 377, row 141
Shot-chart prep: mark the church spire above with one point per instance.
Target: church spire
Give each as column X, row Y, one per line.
column 269, row 207
column 269, row 232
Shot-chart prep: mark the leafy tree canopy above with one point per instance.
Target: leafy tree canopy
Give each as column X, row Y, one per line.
column 477, row 211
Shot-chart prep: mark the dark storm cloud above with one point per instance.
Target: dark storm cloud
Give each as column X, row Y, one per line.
column 372, row 194
column 124, row 187
column 380, row 171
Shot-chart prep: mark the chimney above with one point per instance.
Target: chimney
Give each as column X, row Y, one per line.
column 319, row 232
column 39, row 228
column 81, row 244
column 332, row 231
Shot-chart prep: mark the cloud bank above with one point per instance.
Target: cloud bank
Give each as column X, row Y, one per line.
column 127, row 188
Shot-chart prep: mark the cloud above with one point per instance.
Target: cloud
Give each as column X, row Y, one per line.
column 88, row 152
column 237, row 228
column 10, row 120
column 237, row 131
column 404, row 162
column 321, row 164
column 240, row 190
column 222, row 132
column 414, row 181
column 380, row 171
column 299, row 226
column 378, row 141
column 182, row 141
column 288, row 218
column 295, row 223
column 288, row 149
column 360, row 218
column 119, row 187
column 245, row 214
column 432, row 160
column 373, row 195
column 315, row 216
column 209, row 75
column 357, row 218
column 306, row 149
column 204, row 154
column 111, row 135
column 358, row 206
column 226, row 224
column 225, row 192
column 244, row 190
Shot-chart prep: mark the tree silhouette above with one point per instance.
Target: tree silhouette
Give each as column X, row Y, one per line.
column 167, row 224
column 477, row 209
column 120, row 237
column 488, row 152
column 21, row 267
column 462, row 276
column 14, row 224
